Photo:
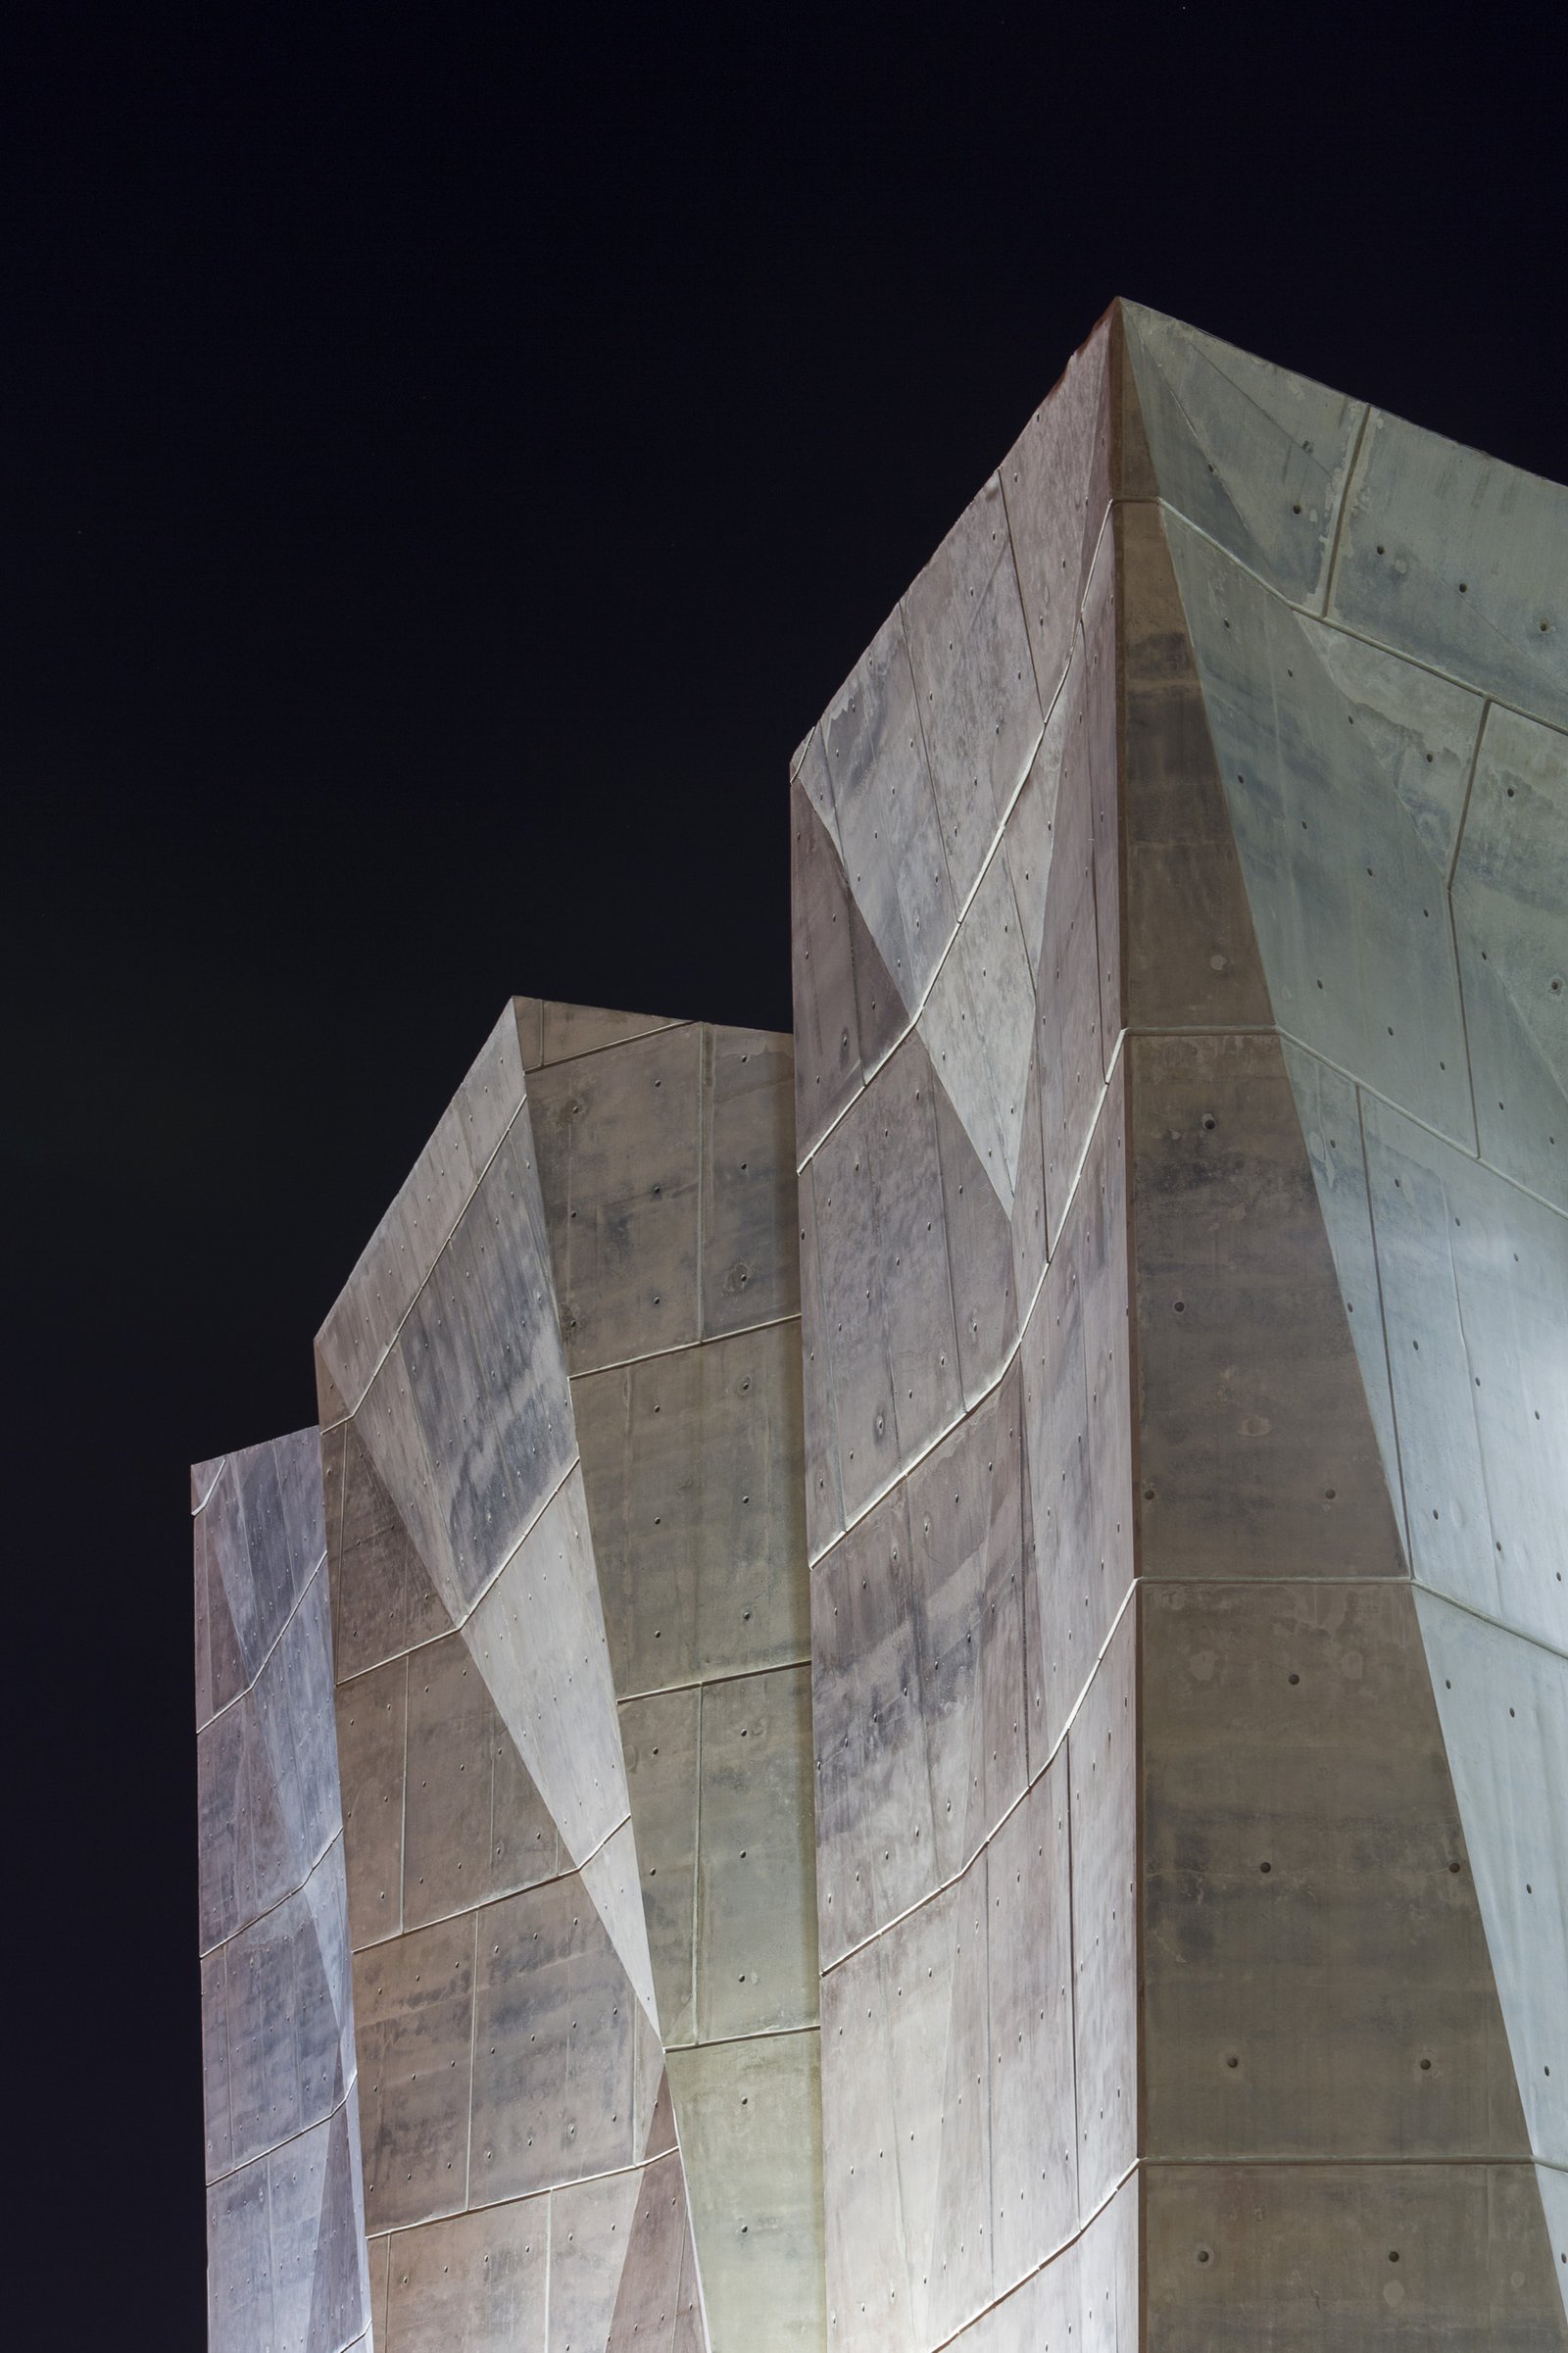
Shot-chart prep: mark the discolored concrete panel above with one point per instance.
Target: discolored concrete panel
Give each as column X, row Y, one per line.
column 385, row 1600
column 1456, row 560
column 591, row 2229
column 1337, row 759
column 750, row 1249
column 1308, row 2258
column 1503, row 1707
column 978, row 1026
column 413, row 2024
column 1255, row 1459
column 889, row 832
column 756, row 1882
column 1102, row 1782
column 371, row 1746
column 474, row 1824
column 824, row 1494
column 829, row 1071
column 1316, row 1970
column 659, row 1738
column 898, row 1137
column 1034, row 2169
column 694, row 1476
column 1255, row 455
column 850, row 1340
column 1067, row 1036
column 974, row 681
column 1475, row 1295
column 619, row 1143
column 1103, row 699
column 1191, row 956
column 751, row 2123
column 478, row 2281
column 571, row 1030
column 1057, row 483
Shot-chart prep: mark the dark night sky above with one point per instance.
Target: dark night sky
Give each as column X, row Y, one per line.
column 447, row 468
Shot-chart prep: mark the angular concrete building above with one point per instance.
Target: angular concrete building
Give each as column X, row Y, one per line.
column 917, row 1694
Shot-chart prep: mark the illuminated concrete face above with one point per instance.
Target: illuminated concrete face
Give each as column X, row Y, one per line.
column 1124, row 1696
column 1180, row 889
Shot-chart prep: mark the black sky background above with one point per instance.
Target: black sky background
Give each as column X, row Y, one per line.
column 448, row 462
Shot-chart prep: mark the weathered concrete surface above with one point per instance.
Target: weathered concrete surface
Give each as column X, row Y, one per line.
column 285, row 2211
column 1143, row 1367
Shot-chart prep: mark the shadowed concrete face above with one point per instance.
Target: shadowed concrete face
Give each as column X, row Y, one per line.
column 1180, row 1112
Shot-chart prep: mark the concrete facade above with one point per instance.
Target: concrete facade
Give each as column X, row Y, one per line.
column 917, row 1691
column 1180, row 889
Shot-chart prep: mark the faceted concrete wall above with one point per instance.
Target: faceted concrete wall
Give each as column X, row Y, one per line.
column 561, row 1457
column 286, row 2214
column 1178, row 884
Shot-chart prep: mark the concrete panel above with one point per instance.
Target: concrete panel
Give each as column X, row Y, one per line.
column 756, row 1882
column 385, row 1597
column 1191, row 956
column 320, row 2280
column 898, row 1137
column 980, row 1253
column 371, row 1747
column 538, row 1638
column 659, row 1738
column 1456, row 559
column 824, row 1493
column 1034, row 2171
column 1328, row 1106
column 1255, row 1459
column 1102, row 1777
column 1057, row 483
column 1503, row 1707
column 1553, row 2183
column 978, row 1027
column 553, row 2042
column 851, row 1341
column 749, row 1254
column 1001, row 1744
column 828, row 1071
column 1028, row 1233
column 619, row 1139
column 974, row 681
column 1475, row 1296
column 693, row 1474
column 1098, row 1219
column 658, row 2303
column 474, row 1826
column 1253, row 453
column 569, row 1030
column 889, row 827
column 1029, row 837
column 218, row 2148
column 1510, row 887
column 413, row 2014
column 612, row 1884
column 1311, row 2259
column 1337, row 759
column 239, row 2261
column 288, row 2036
column 478, row 2281
column 751, row 2125
column 1067, row 1034
column 1102, row 726
column 1316, row 1975
column 1109, row 2270
column 591, row 2226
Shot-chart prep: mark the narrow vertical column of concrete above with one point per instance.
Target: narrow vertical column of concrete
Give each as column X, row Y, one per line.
column 1146, row 1792
column 667, row 1171
column 522, row 2180
column 285, row 2219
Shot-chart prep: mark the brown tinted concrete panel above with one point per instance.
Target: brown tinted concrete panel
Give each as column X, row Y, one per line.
column 371, row 1746
column 1067, row 1036
column 659, row 1738
column 695, row 1478
column 1475, row 1296
column 974, row 681
column 1317, row 1979
column 751, row 2125
column 658, row 2305
column 529, row 1014
column 827, row 1050
column 569, row 1030
column 538, row 1638
column 756, row 1882
column 888, row 828
column 1456, row 560
column 1257, row 1454
column 414, row 2021
column 385, row 1600
column 751, row 1253
column 617, row 1136
column 552, row 2042
column 478, row 2282
column 825, row 1495
column 1313, row 2259
column 1191, row 956
column 1034, row 2171
column 850, row 1342
column 591, row 2229
column 979, row 1253
column 1253, row 455
column 1102, row 1777
column 1057, row 483
column 472, row 1829
column 1510, row 886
